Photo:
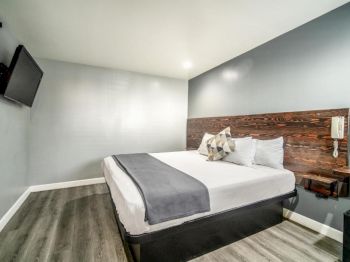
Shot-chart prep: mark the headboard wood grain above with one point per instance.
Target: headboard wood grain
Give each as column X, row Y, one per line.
column 308, row 144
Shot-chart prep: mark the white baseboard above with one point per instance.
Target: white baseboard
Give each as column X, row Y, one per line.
column 68, row 184
column 9, row 214
column 314, row 225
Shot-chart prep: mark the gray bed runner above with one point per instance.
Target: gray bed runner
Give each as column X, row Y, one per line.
column 167, row 192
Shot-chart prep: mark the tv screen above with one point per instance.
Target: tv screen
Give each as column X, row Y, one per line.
column 25, row 77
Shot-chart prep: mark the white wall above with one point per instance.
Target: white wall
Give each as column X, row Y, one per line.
column 82, row 114
column 13, row 136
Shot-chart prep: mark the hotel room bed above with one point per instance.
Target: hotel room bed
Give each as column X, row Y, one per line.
column 229, row 185
column 232, row 189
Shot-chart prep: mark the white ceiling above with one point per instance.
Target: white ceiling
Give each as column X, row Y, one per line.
column 154, row 36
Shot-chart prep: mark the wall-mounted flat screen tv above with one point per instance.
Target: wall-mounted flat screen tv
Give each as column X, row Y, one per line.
column 24, row 78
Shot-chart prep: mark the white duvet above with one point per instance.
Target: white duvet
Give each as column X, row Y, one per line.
column 229, row 185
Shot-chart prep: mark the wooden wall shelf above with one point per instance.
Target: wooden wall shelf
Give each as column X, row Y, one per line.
column 335, row 185
column 323, row 186
column 342, row 172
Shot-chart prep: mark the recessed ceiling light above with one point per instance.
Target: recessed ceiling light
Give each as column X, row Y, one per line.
column 187, row 64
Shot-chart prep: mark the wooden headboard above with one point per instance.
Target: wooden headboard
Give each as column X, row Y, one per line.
column 308, row 144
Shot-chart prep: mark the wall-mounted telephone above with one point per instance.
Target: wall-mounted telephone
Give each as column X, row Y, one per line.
column 337, row 132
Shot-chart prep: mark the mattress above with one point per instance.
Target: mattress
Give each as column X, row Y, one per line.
column 229, row 185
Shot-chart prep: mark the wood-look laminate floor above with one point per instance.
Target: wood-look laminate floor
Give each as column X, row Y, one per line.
column 77, row 224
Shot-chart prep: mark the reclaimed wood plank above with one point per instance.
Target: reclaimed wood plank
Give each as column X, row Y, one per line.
column 308, row 144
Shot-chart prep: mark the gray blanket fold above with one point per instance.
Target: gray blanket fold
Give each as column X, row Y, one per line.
column 167, row 192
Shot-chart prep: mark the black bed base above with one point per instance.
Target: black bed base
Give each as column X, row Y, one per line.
column 205, row 234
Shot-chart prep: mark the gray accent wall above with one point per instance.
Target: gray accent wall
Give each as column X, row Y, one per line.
column 14, row 121
column 82, row 114
column 305, row 69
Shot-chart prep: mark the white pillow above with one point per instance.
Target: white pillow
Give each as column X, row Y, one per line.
column 269, row 153
column 203, row 149
column 243, row 153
